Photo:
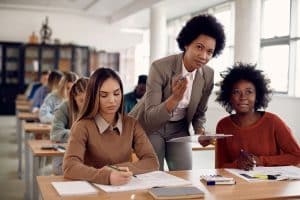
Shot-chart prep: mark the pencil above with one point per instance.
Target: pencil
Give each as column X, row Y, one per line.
column 118, row 169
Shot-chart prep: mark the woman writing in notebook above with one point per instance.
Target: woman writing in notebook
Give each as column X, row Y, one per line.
column 64, row 116
column 259, row 138
column 103, row 137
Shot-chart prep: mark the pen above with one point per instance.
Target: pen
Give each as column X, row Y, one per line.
column 267, row 177
column 118, row 169
column 231, row 182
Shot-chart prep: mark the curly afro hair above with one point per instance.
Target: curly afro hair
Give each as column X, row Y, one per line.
column 247, row 72
column 202, row 24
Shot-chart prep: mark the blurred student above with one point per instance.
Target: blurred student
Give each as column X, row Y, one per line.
column 178, row 88
column 33, row 87
column 64, row 116
column 41, row 93
column 130, row 99
column 104, row 136
column 260, row 138
column 56, row 97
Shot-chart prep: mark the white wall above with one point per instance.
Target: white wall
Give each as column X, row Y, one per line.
column 285, row 107
column 17, row 25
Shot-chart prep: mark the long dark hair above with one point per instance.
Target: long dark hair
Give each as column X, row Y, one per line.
column 92, row 100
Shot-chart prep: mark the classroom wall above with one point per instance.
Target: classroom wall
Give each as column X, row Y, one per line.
column 17, row 25
column 285, row 107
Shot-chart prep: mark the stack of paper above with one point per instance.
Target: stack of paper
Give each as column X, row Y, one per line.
column 69, row 188
column 146, row 181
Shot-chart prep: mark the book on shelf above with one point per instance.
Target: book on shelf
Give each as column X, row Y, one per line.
column 183, row 192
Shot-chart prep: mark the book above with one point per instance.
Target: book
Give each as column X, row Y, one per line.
column 146, row 181
column 218, row 180
column 69, row 188
column 189, row 192
column 196, row 138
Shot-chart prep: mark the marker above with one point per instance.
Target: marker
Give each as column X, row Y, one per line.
column 230, row 182
column 266, row 177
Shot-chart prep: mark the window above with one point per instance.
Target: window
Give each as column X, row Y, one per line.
column 280, row 45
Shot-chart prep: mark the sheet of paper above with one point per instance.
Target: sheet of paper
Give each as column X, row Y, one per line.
column 281, row 172
column 146, row 181
column 196, row 138
column 68, row 188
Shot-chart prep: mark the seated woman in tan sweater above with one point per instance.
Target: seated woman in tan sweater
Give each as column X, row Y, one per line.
column 103, row 136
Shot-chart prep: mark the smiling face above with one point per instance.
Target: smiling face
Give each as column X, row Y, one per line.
column 199, row 52
column 243, row 97
column 110, row 97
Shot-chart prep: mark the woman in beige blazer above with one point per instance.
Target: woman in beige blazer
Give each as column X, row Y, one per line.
column 177, row 91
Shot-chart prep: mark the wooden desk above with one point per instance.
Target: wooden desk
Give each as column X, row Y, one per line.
column 23, row 108
column 199, row 147
column 242, row 190
column 22, row 116
column 21, row 97
column 32, row 169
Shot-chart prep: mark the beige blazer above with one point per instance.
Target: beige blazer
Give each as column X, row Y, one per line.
column 151, row 111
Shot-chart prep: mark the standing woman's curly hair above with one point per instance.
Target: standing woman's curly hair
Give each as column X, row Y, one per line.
column 203, row 24
column 248, row 72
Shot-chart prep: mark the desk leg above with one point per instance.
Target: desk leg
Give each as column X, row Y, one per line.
column 35, row 173
column 19, row 141
column 28, row 165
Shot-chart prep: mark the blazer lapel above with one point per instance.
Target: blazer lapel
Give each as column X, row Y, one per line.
column 198, row 85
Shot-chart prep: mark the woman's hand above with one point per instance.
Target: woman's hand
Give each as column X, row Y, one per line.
column 246, row 161
column 179, row 86
column 120, row 177
column 204, row 143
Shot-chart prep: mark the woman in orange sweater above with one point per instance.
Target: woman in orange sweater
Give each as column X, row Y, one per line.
column 259, row 138
column 102, row 139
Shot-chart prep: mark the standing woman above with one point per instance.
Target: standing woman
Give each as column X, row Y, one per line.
column 177, row 91
column 103, row 136
column 260, row 138
column 64, row 116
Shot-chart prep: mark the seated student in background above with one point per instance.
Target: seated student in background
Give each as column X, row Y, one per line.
column 33, row 87
column 130, row 99
column 41, row 93
column 56, row 97
column 104, row 136
column 259, row 138
column 64, row 116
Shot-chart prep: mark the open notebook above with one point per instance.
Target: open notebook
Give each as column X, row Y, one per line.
column 69, row 188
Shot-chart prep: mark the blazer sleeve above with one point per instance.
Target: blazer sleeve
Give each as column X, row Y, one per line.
column 156, row 114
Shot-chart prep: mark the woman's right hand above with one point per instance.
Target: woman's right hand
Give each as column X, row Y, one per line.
column 246, row 161
column 120, row 177
column 179, row 86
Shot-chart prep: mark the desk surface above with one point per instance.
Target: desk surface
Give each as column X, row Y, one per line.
column 35, row 147
column 242, row 190
column 23, row 108
column 37, row 128
column 28, row 116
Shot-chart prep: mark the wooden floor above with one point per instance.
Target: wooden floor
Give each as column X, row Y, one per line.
column 11, row 188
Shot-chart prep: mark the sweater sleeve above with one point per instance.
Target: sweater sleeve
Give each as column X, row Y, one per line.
column 60, row 131
column 286, row 143
column 222, row 158
column 143, row 149
column 73, row 165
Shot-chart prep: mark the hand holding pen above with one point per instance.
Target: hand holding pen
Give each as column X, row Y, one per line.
column 179, row 86
column 119, row 175
column 246, row 161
